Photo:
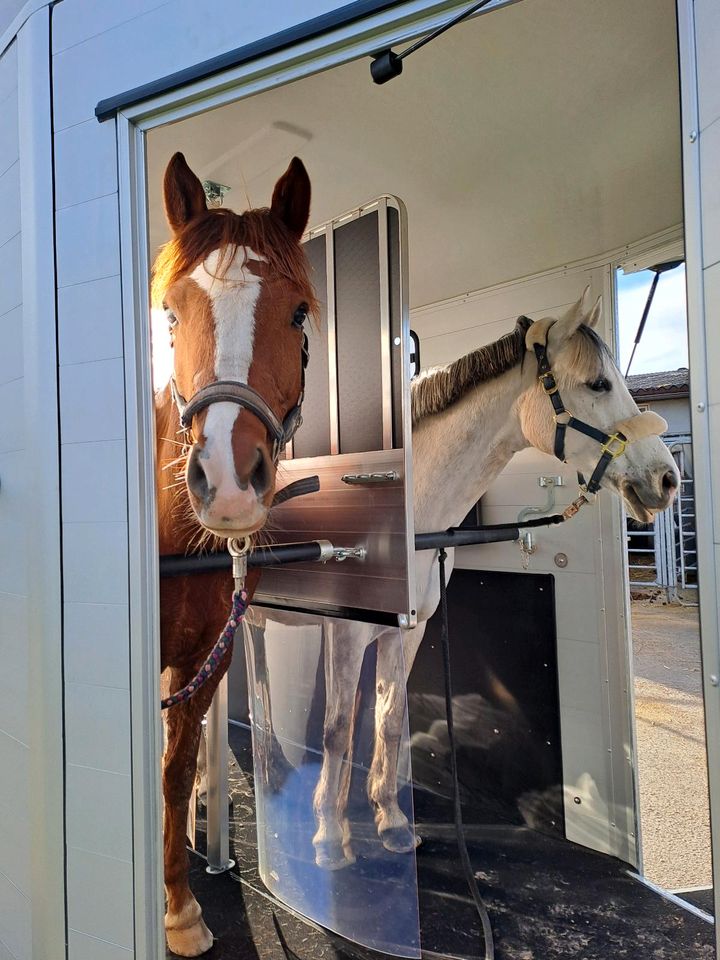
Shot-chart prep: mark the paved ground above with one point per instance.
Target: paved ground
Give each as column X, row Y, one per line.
column 671, row 745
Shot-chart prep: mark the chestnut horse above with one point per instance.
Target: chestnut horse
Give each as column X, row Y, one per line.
column 236, row 291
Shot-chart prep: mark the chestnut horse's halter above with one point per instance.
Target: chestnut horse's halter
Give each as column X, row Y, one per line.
column 612, row 445
column 235, row 391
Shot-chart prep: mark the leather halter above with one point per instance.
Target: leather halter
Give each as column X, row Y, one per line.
column 235, row 391
column 612, row 444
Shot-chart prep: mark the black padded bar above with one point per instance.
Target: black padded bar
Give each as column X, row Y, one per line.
column 465, row 537
column 179, row 566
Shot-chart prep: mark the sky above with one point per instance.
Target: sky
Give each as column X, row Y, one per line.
column 664, row 341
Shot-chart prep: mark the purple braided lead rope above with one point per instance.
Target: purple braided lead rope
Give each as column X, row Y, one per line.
column 224, row 642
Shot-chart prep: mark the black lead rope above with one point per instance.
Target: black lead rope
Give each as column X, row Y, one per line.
column 457, row 806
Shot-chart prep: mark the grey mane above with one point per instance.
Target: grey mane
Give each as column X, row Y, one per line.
column 439, row 388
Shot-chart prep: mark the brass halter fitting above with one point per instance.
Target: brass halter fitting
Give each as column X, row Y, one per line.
column 614, row 445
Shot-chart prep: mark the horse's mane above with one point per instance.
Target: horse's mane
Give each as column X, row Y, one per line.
column 257, row 229
column 439, row 388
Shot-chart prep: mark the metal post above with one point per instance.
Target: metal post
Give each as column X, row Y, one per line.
column 665, row 554
column 218, row 820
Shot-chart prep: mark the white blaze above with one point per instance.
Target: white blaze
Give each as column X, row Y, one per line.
column 233, row 296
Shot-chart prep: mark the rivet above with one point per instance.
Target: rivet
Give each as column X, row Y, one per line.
column 693, row 136
column 396, row 341
column 714, row 679
column 701, row 407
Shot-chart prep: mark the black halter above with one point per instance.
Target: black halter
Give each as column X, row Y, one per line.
column 612, row 444
column 234, row 391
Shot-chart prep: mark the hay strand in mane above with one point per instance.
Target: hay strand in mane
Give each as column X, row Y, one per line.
column 224, row 230
column 439, row 388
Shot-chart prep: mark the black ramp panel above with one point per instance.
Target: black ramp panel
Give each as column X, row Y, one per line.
column 505, row 694
column 313, row 437
column 357, row 292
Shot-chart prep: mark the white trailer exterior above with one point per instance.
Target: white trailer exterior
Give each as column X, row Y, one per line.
column 79, row 734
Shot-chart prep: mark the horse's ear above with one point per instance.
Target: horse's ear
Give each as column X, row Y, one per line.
column 183, row 194
column 566, row 325
column 291, row 198
column 595, row 313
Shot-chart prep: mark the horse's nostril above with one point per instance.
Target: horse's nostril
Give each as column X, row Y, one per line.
column 260, row 475
column 196, row 479
column 669, row 481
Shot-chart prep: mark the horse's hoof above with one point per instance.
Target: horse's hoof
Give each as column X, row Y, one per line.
column 399, row 839
column 190, row 941
column 332, row 855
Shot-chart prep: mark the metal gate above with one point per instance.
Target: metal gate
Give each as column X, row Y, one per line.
column 664, row 555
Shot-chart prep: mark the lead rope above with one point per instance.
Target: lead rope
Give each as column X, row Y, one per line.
column 457, row 807
column 216, row 655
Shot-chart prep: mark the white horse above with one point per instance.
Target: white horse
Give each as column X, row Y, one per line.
column 469, row 419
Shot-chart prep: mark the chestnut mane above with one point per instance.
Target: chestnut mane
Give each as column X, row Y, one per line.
column 221, row 229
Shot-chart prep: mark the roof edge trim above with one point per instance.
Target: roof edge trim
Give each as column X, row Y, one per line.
column 307, row 30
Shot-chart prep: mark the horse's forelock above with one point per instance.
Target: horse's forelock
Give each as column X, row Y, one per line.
column 226, row 231
column 585, row 356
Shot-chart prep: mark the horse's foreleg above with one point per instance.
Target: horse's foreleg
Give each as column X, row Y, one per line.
column 187, row 934
column 390, row 704
column 344, row 648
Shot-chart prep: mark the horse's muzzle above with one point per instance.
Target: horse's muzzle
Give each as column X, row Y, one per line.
column 230, row 502
column 648, row 496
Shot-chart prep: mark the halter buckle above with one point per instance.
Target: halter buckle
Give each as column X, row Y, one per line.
column 553, row 388
column 614, row 445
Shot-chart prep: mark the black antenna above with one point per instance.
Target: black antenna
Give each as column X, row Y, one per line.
column 387, row 64
column 657, row 270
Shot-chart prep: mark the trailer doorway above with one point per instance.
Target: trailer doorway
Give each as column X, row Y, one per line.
column 568, row 154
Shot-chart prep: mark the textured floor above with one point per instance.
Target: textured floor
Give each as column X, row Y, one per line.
column 548, row 899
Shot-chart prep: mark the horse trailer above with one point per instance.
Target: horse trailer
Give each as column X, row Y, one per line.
column 508, row 167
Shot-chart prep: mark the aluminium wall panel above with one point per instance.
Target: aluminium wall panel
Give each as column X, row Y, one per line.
column 101, row 48
column 102, row 52
column 15, row 885
column 699, row 34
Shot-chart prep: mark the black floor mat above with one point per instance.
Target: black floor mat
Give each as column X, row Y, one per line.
column 703, row 898
column 548, row 899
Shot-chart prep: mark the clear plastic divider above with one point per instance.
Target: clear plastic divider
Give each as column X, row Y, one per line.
column 335, row 829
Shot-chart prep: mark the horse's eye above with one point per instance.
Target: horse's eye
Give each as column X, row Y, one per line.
column 300, row 316
column 171, row 318
column 601, row 385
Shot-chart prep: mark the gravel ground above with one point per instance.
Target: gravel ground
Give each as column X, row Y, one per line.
column 671, row 745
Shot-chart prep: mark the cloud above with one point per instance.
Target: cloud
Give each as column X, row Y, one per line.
column 664, row 342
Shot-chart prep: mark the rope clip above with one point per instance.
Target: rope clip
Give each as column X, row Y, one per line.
column 238, row 550
column 575, row 506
